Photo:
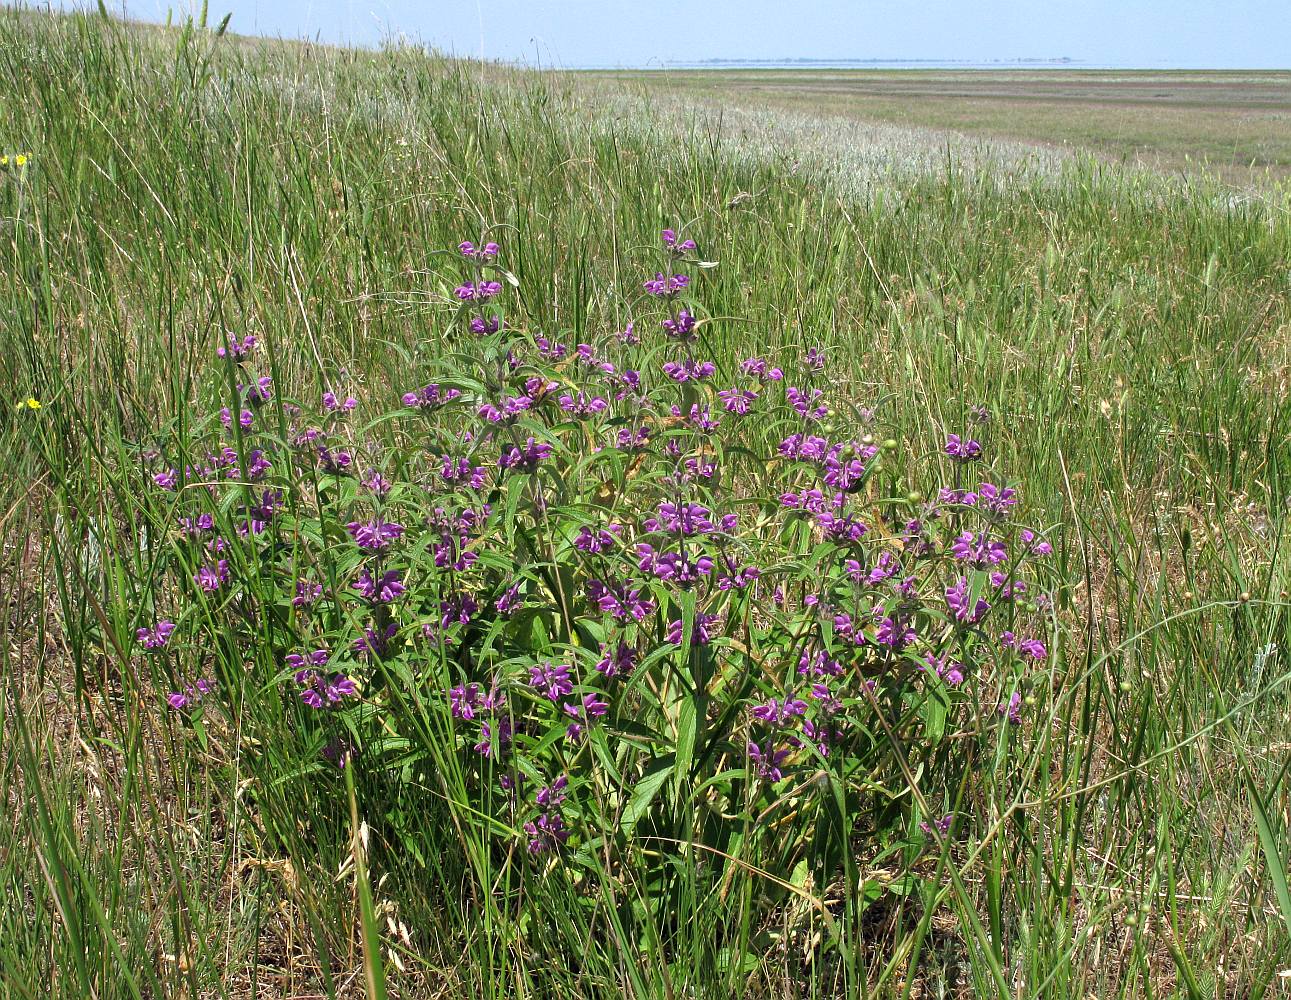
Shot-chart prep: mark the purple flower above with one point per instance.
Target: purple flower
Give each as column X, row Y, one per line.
column 336, row 462
column 810, row 501
column 838, row 526
column 509, row 408
column 737, row 401
column 307, row 592
column 495, row 744
column 629, row 383
column 334, row 404
column 829, row 702
column 472, row 252
column 706, row 626
column 375, row 535
column 845, row 465
column 807, row 403
column 819, row 733
column 301, row 663
column 457, row 609
column 961, row 450
column 818, row 664
column 627, row 336
column 620, row 600
column 600, row 540
column 759, row 370
column 583, row 405
column 379, row 590
column 212, row 576
column 681, row 519
column 509, row 601
column 552, row 681
column 375, row 483
column 455, row 471
column 666, row 285
column 1033, row 648
column 767, row 762
column 237, row 349
column 996, row 501
column 894, row 632
column 590, row 707
column 958, row 498
column 1041, row 548
column 338, row 752
column 814, row 359
column 430, row 397
column 483, row 326
column 680, row 327
column 320, row 688
column 700, row 418
column 157, row 636
column 375, row 643
column 676, row 247
column 950, row 671
column 526, row 458
column 553, row 796
column 259, row 391
column 190, row 694
column 464, row 701
column 979, row 550
column 1012, row 711
column 246, row 419
column 682, row 569
column 808, row 448
column 472, row 291
column 195, row 527
column 736, row 577
column 546, row 834
column 778, row 712
column 961, row 607
column 886, row 568
column 167, row 479
column 551, row 349
column 689, row 370
column 631, row 440
column 942, row 825
column 617, row 662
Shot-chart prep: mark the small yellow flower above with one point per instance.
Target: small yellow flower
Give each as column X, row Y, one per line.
column 20, row 159
column 4, row 160
column 32, row 403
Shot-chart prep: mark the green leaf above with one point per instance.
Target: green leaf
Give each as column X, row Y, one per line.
column 1272, row 854
column 644, row 793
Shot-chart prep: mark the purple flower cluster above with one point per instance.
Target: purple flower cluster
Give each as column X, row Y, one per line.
column 573, row 559
column 963, row 450
column 431, row 397
column 524, row 458
column 677, row 246
column 190, row 694
column 319, row 688
column 375, row 535
column 156, row 637
column 237, row 349
column 667, row 284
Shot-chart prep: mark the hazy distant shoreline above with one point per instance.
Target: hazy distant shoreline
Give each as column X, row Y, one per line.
column 897, row 64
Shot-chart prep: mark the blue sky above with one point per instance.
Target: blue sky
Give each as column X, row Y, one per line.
column 573, row 33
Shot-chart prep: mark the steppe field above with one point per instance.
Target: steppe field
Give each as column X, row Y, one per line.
column 475, row 532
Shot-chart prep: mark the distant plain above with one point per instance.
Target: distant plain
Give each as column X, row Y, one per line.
column 1235, row 124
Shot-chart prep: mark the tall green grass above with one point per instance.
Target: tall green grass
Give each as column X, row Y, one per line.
column 1131, row 335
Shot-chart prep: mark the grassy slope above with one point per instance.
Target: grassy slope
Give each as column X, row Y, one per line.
column 1131, row 337
column 1234, row 123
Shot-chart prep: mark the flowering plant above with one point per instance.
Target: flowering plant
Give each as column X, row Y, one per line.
column 640, row 598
